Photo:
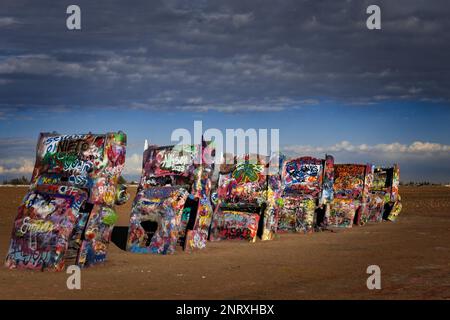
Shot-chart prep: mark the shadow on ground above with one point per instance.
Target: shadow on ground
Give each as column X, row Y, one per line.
column 119, row 237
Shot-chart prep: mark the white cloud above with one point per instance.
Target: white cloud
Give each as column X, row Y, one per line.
column 415, row 148
column 16, row 166
column 133, row 164
column 41, row 64
column 7, row 21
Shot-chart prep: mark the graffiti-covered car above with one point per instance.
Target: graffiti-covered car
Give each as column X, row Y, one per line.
column 351, row 189
column 246, row 199
column 172, row 204
column 307, row 186
column 67, row 216
column 384, row 198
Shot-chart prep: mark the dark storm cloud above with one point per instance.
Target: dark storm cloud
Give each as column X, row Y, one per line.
column 223, row 55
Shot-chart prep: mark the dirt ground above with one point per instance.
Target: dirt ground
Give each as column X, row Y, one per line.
column 413, row 254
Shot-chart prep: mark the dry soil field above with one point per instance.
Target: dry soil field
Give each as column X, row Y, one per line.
column 413, row 253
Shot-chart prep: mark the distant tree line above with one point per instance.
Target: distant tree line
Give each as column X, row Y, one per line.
column 419, row 183
column 17, row 181
column 122, row 180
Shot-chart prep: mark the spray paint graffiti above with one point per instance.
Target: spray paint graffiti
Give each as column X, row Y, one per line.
column 328, row 181
column 396, row 201
column 273, row 206
column 197, row 234
column 246, row 192
column 231, row 224
column 68, row 214
column 384, row 199
column 307, row 184
column 172, row 204
column 72, row 175
column 378, row 192
column 351, row 189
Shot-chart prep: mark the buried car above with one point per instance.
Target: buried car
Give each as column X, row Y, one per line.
column 384, row 199
column 351, row 189
column 247, row 200
column 68, row 214
column 172, row 204
column 307, row 187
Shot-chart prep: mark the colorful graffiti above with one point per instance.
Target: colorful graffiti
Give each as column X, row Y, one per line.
column 379, row 191
column 351, row 190
column 68, row 214
column 384, row 199
column 172, row 205
column 307, row 183
column 273, row 206
column 328, row 181
column 243, row 183
column 396, row 201
column 229, row 224
column 243, row 192
column 297, row 215
column 342, row 212
column 197, row 234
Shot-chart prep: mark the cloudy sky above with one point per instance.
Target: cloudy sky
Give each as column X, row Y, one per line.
column 309, row 68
